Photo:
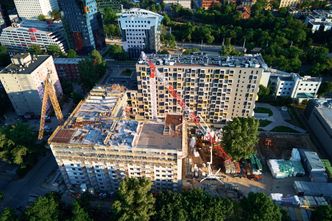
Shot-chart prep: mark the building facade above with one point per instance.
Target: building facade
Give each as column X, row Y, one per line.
column 30, row 9
column 289, row 3
column 96, row 149
column 215, row 88
column 183, row 3
column 297, row 87
column 206, row 4
column 67, row 68
column 319, row 20
column 319, row 116
column 23, row 81
column 83, row 24
column 20, row 37
column 140, row 31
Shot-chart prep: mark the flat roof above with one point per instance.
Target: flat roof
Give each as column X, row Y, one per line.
column 67, row 60
column 152, row 137
column 28, row 69
column 326, row 113
column 248, row 61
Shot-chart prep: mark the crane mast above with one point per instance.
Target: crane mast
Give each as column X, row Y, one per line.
column 49, row 93
column 197, row 120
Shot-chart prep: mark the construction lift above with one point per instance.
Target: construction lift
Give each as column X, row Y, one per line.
column 198, row 120
column 49, row 93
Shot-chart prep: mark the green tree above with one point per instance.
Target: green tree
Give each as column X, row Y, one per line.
column 45, row 208
column 322, row 213
column 54, row 50
column 8, row 215
column 4, row 56
column 263, row 92
column 35, row 49
column 259, row 206
column 134, row 200
column 325, row 88
column 56, row 15
column 71, row 53
column 192, row 205
column 96, row 57
column 79, row 214
column 41, row 17
column 112, row 30
column 240, row 137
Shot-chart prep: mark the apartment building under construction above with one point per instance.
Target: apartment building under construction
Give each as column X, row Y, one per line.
column 215, row 88
column 97, row 147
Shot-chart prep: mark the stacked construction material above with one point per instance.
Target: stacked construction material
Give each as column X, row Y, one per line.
column 256, row 165
column 285, row 168
column 280, row 199
column 232, row 167
column 313, row 189
column 294, row 200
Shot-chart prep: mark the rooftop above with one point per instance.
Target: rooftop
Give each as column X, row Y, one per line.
column 138, row 12
column 98, row 120
column 36, row 24
column 25, row 65
column 67, row 60
column 252, row 61
column 324, row 108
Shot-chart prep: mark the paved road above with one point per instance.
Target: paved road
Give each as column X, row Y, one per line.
column 16, row 193
column 277, row 119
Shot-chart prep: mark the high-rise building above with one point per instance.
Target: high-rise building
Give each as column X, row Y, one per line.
column 19, row 37
column 215, row 88
column 289, row 3
column 30, row 9
column 140, row 31
column 183, row 3
column 96, row 149
column 83, row 24
column 23, row 81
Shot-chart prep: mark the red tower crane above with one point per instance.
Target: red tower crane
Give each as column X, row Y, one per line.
column 198, row 120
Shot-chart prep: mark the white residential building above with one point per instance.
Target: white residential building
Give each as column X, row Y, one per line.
column 140, row 30
column 23, row 81
column 295, row 86
column 30, row 9
column 319, row 19
column 19, row 37
column 183, row 3
column 289, row 3
column 93, row 148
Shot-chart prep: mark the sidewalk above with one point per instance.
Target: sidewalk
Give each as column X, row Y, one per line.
column 277, row 119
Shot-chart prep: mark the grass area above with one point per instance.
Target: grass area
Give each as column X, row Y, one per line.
column 283, row 129
column 127, row 72
column 264, row 123
column 295, row 119
column 263, row 110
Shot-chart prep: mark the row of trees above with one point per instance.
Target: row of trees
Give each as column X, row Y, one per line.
column 134, row 201
column 53, row 50
column 285, row 41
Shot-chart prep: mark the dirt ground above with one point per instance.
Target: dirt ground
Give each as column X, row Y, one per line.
column 282, row 144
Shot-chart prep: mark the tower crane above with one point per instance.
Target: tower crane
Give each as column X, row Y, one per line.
column 49, row 93
column 198, row 120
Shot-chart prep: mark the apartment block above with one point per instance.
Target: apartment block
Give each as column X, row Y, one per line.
column 295, row 86
column 319, row 20
column 19, row 37
column 289, row 3
column 84, row 26
column 140, row 31
column 30, row 9
column 215, row 88
column 97, row 148
column 183, row 3
column 67, row 68
column 23, row 81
